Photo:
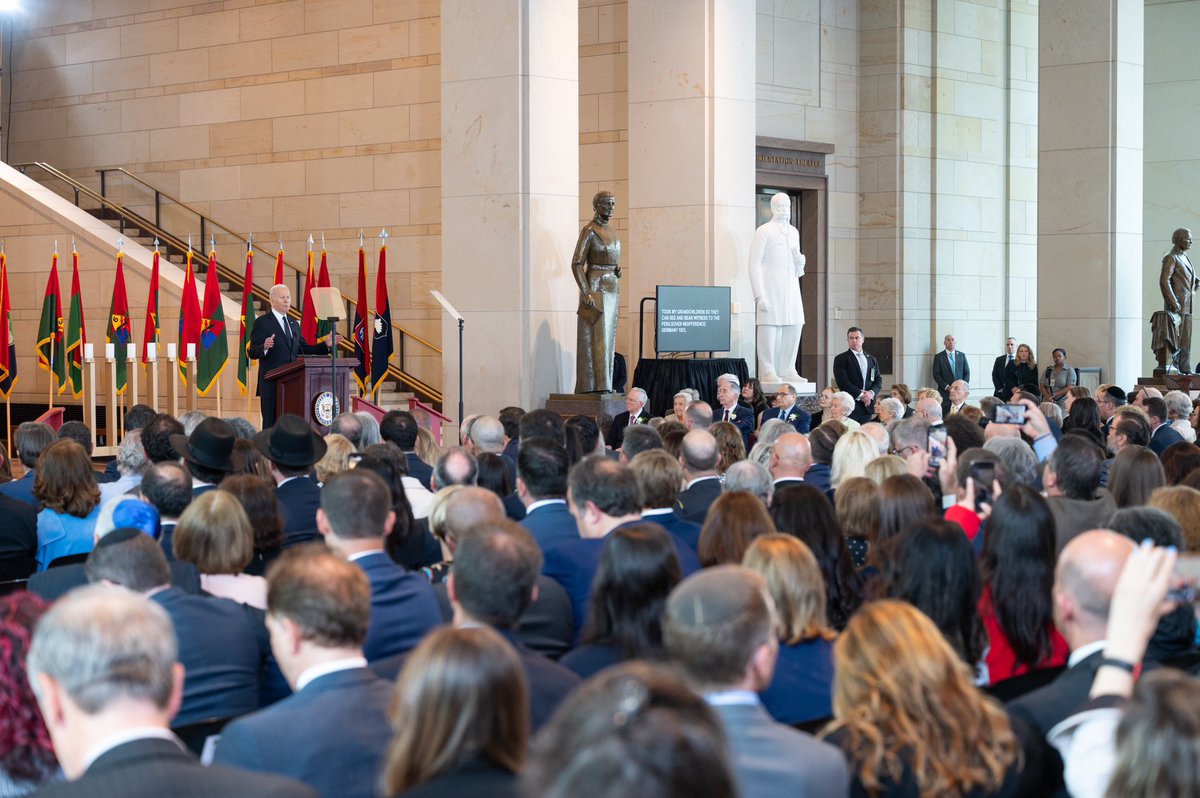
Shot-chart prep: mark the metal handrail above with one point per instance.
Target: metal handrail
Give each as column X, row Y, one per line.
column 174, row 242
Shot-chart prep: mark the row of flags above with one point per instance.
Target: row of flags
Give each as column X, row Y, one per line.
column 60, row 342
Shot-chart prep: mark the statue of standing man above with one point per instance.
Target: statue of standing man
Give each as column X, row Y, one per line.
column 776, row 266
column 1172, row 329
column 597, row 270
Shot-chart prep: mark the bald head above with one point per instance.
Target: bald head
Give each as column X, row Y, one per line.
column 487, row 435
column 879, row 434
column 1084, row 580
column 470, row 506
column 792, row 456
column 698, row 454
column 929, row 409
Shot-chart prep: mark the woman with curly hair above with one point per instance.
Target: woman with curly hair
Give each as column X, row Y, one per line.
column 907, row 716
column 729, row 444
column 26, row 757
column 733, row 521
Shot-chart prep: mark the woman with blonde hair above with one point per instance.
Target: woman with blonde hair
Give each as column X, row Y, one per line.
column 337, row 457
column 851, row 454
column 214, row 535
column 461, row 716
column 890, row 465
column 1183, row 503
column 802, row 687
column 908, row 717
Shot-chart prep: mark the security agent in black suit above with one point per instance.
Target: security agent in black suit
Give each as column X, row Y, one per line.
column 111, row 731
column 1002, row 379
column 291, row 447
column 635, row 412
column 849, row 371
column 494, row 579
column 275, row 341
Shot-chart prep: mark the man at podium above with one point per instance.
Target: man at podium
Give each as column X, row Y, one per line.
column 275, row 341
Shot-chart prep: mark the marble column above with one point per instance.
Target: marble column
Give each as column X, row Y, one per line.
column 1090, row 185
column 510, row 184
column 691, row 154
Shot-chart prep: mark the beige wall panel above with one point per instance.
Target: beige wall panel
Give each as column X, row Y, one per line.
column 272, row 21
column 341, row 93
column 373, row 43
column 305, row 132
column 179, row 66
column 236, row 60
column 178, row 144
column 304, row 52
column 240, row 138
column 210, row 30
column 272, row 100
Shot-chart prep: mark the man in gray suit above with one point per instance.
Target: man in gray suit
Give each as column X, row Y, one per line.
column 719, row 628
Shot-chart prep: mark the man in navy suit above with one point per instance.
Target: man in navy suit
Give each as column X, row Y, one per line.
column 493, row 582
column 603, row 496
column 1162, row 433
column 291, row 447
column 333, row 731
column 659, row 476
column 786, row 409
column 276, row 341
column 542, row 466
column 355, row 516
column 729, row 408
column 110, row 730
column 699, row 455
column 949, row 366
column 222, row 645
column 635, row 413
column 399, row 427
column 857, row 373
column 30, row 439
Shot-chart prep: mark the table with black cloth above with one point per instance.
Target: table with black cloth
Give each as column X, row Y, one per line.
column 662, row 378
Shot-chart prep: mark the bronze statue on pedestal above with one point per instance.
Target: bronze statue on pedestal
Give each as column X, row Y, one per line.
column 597, row 270
column 1171, row 328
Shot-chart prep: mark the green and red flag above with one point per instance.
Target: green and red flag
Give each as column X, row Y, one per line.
column 381, row 342
column 247, row 322
column 76, row 333
column 120, row 330
column 213, row 352
column 189, row 318
column 361, row 332
column 152, row 332
column 308, row 314
column 51, row 356
column 8, row 354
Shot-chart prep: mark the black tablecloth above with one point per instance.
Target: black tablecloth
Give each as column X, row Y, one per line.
column 662, row 378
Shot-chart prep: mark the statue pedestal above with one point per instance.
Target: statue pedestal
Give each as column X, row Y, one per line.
column 592, row 405
column 1175, row 381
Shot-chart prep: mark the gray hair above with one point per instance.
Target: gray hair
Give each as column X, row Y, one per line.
column 761, row 452
column 732, row 379
column 487, row 433
column 639, row 395
column 686, row 393
column 1018, row 459
column 910, row 432
column 878, row 433
column 370, row 430
column 1052, row 411
column 349, row 426
column 103, row 642
column 1179, row 404
column 751, row 477
column 131, row 457
column 772, row 429
column 893, row 405
column 191, row 419
column 845, row 400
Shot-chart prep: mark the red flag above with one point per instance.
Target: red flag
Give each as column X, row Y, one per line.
column 8, row 353
column 189, row 318
column 150, row 336
column 382, row 343
column 119, row 331
column 308, row 315
column 279, row 266
column 324, row 327
column 362, row 335
column 243, row 372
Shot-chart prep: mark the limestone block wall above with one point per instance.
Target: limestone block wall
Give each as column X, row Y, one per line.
column 278, row 117
column 1172, row 148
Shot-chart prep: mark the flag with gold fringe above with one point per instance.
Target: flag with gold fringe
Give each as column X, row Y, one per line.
column 76, row 333
column 213, row 352
column 50, row 329
column 120, row 331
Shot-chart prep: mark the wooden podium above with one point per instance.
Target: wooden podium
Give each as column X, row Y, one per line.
column 303, row 388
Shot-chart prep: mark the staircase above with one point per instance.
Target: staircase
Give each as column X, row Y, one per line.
column 151, row 213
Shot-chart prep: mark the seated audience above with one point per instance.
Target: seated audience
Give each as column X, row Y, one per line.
column 437, row 573
column 332, row 732
column 841, row 405
column 18, row 538
column 857, row 510
column 791, row 459
column 635, row 729
column 131, row 465
column 492, row 583
column 409, row 543
column 1072, row 481
column 1183, row 503
column 638, row 570
column 903, row 500
column 851, row 454
column 336, row 458
column 1083, row 418
column 803, row 512
column 1135, row 473
column 583, row 438
column 355, row 516
column 214, row 535
column 542, row 466
column 1179, row 460
column 658, row 477
column 802, row 688
column 750, row 477
column 110, row 730
column 1179, row 409
column 26, row 756
column 1020, row 463
column 730, row 446
column 370, row 430
column 266, row 521
column 399, row 428
column 908, row 718
column 66, row 489
column 821, row 443
column 638, row 439
column 700, row 456
column 494, row 474
column 699, row 415
column 733, row 522
column 719, row 629
column 881, row 468
column 349, row 426
column 30, row 440
column 291, row 448
column 455, row 466
column 208, row 453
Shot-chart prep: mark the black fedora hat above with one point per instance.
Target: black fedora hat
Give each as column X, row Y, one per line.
column 210, row 445
column 291, row 442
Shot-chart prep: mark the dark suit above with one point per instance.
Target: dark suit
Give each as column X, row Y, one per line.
column 152, row 767
column 53, row 583
column 802, row 421
column 287, row 347
column 551, row 524
column 545, row 626
column 743, row 419
column 616, row 432
column 1047, row 706
column 22, row 490
column 298, row 501
column 1163, row 437
column 331, row 735
column 694, row 501
column 685, row 532
column 548, row 681
column 476, row 777
column 167, row 539
column 818, row 475
column 18, row 539
column 221, row 652
column 1003, row 378
column 944, row 374
column 849, row 378
column 403, row 607
column 419, row 470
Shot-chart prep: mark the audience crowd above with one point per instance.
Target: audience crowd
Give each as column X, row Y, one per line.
column 745, row 598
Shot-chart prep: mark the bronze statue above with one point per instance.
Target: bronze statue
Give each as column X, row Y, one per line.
column 1172, row 327
column 597, row 270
